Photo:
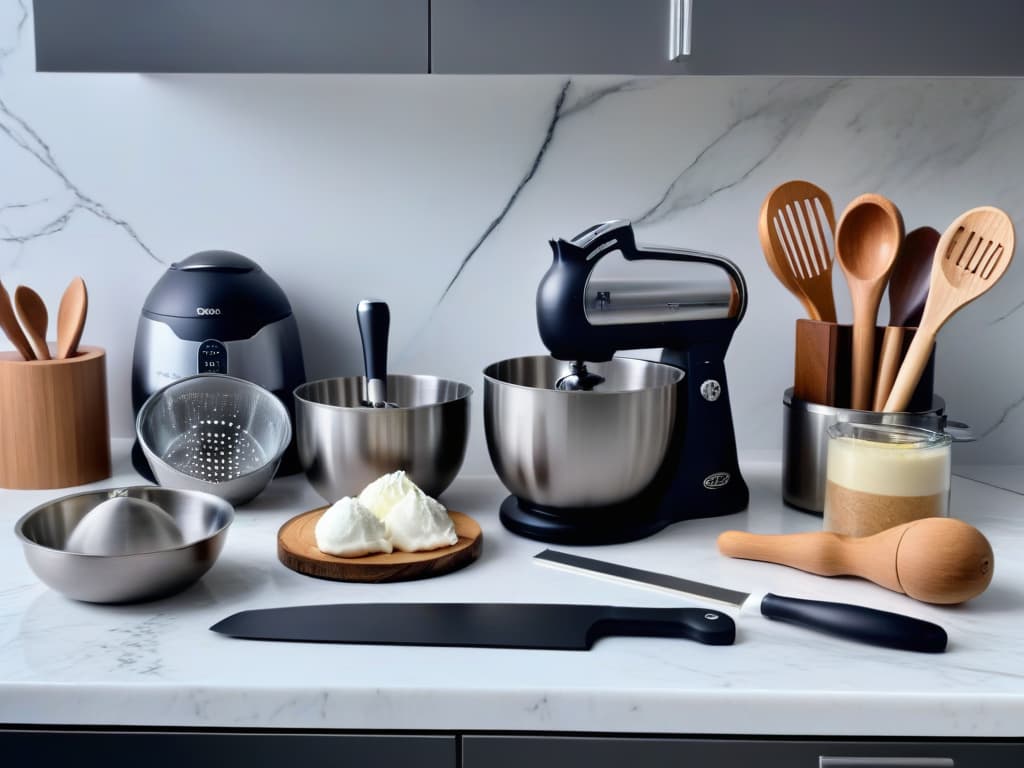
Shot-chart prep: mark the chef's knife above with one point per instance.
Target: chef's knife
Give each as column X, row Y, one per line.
column 854, row 622
column 476, row 625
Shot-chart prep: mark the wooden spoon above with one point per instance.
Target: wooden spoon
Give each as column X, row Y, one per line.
column 34, row 319
column 795, row 246
column 935, row 560
column 868, row 239
column 9, row 322
column 974, row 252
column 908, row 291
column 74, row 305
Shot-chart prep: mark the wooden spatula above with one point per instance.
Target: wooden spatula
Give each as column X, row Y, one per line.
column 935, row 560
column 973, row 254
column 796, row 228
column 908, row 291
column 9, row 322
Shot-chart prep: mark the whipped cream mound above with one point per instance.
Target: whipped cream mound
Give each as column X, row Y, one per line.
column 416, row 525
column 386, row 491
column 414, row 521
column 349, row 529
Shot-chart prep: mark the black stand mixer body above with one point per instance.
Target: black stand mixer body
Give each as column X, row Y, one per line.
column 700, row 475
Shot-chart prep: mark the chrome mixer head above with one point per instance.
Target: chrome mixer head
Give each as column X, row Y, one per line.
column 579, row 379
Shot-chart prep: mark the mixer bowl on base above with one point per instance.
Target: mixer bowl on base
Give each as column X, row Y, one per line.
column 578, row 450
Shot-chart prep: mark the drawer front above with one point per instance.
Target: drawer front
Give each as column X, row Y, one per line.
column 113, row 749
column 608, row 752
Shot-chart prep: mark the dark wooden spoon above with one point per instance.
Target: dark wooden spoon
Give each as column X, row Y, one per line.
column 908, row 291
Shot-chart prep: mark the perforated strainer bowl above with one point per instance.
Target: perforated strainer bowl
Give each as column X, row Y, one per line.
column 214, row 433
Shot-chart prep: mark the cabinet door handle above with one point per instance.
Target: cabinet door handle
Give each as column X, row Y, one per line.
column 885, row 762
column 680, row 28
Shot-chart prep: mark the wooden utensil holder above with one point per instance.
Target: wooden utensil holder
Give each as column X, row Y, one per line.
column 54, row 430
column 822, row 365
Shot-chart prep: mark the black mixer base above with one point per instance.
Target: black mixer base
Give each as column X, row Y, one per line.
column 585, row 527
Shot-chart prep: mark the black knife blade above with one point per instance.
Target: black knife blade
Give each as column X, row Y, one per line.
column 476, row 625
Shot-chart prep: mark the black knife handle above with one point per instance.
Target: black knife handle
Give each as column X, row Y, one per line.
column 856, row 622
column 701, row 624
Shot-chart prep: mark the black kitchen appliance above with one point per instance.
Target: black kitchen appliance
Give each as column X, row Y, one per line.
column 217, row 312
column 583, row 320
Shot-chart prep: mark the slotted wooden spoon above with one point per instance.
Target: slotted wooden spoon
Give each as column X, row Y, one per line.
column 868, row 239
column 795, row 218
column 973, row 254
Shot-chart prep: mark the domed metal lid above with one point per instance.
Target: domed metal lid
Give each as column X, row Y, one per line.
column 220, row 286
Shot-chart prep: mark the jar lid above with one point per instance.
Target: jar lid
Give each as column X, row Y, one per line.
column 896, row 435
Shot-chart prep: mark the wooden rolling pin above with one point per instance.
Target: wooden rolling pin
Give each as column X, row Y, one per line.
column 935, row 560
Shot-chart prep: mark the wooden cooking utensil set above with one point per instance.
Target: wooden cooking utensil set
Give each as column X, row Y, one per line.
column 25, row 321
column 929, row 279
column 53, row 399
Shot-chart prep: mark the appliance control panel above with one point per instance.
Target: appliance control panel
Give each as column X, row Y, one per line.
column 213, row 357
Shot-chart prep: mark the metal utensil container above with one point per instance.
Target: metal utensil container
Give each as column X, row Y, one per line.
column 805, row 442
column 202, row 518
column 575, row 449
column 344, row 446
column 216, row 434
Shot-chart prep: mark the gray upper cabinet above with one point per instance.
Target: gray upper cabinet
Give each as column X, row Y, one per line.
column 728, row 37
column 232, row 35
column 656, row 37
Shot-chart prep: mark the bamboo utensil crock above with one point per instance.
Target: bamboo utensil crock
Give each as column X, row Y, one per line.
column 54, row 429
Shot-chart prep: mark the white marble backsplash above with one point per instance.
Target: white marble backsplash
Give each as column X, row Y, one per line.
column 438, row 194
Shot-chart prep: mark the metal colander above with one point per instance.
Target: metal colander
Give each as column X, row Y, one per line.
column 214, row 433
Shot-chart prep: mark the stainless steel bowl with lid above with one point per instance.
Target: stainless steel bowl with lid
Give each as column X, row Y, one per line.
column 579, row 449
column 202, row 519
column 344, row 445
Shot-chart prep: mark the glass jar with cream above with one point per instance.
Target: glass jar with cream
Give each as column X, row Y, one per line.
column 881, row 475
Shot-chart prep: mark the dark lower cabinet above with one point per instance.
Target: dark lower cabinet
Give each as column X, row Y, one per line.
column 256, row 749
column 602, row 752
column 152, row 749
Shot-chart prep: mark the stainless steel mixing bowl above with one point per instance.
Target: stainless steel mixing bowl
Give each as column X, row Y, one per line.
column 202, row 518
column 343, row 446
column 578, row 449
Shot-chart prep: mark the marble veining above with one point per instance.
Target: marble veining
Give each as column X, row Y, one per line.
column 24, row 137
column 744, row 145
column 548, row 135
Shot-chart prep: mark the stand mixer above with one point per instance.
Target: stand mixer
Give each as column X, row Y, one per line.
column 567, row 437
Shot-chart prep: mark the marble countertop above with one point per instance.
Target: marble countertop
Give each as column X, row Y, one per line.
column 156, row 664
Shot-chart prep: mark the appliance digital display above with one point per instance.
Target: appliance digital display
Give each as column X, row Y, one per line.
column 213, row 357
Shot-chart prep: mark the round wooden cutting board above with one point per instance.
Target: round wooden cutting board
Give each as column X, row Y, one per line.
column 296, row 548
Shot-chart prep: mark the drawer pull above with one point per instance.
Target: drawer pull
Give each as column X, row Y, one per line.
column 885, row 762
column 680, row 27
